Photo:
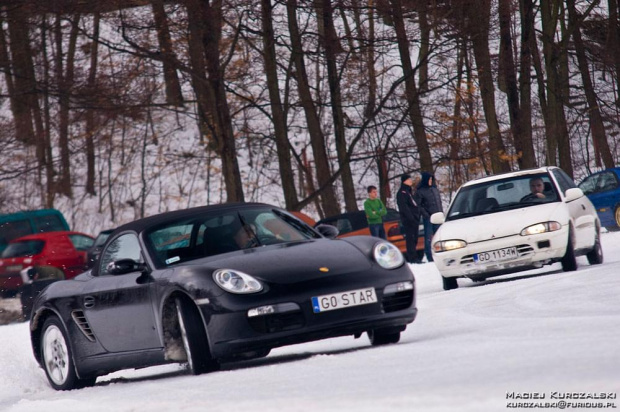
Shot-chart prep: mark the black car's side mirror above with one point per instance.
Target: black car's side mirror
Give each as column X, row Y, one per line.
column 328, row 231
column 123, row 266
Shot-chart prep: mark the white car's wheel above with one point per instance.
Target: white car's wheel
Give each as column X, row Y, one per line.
column 569, row 261
column 449, row 283
column 595, row 256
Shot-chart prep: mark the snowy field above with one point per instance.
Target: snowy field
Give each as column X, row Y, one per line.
column 542, row 331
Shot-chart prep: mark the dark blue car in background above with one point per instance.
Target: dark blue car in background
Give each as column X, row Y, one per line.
column 603, row 190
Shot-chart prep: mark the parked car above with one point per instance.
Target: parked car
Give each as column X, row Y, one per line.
column 355, row 224
column 93, row 252
column 603, row 190
column 61, row 253
column 213, row 284
column 15, row 225
column 496, row 225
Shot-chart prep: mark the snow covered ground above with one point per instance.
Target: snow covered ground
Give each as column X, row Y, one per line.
column 542, row 331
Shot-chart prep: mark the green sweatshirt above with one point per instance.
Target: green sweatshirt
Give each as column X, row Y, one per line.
column 374, row 211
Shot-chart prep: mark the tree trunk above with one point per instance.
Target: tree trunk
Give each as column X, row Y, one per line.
column 173, row 87
column 413, row 98
column 599, row 137
column 425, row 32
column 525, row 83
column 524, row 148
column 205, row 24
column 613, row 43
column 332, row 43
column 479, row 26
column 557, row 130
column 65, row 77
column 277, row 112
column 317, row 140
column 90, row 112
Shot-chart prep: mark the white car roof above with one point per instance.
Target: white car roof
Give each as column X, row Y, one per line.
column 525, row 172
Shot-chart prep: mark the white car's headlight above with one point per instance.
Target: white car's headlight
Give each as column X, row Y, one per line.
column 388, row 256
column 541, row 228
column 234, row 281
column 446, row 245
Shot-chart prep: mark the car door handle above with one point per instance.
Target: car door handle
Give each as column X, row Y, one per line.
column 89, row 302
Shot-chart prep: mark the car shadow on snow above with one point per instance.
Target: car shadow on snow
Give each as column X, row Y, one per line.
column 512, row 278
column 237, row 365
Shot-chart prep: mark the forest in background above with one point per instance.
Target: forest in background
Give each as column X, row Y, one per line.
column 115, row 110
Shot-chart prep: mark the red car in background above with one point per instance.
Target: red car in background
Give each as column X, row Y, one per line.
column 50, row 254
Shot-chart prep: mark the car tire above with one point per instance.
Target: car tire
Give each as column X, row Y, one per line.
column 57, row 357
column 378, row 337
column 194, row 338
column 595, row 256
column 615, row 228
column 449, row 283
column 569, row 261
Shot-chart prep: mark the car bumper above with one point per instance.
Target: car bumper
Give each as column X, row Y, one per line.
column 233, row 332
column 533, row 251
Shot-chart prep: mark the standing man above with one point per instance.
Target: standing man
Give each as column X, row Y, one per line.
column 430, row 202
column 409, row 216
column 375, row 210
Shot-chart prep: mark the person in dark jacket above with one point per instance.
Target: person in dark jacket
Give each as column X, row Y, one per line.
column 430, row 202
column 409, row 210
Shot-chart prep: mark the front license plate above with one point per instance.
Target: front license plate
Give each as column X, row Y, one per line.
column 496, row 255
column 14, row 268
column 344, row 300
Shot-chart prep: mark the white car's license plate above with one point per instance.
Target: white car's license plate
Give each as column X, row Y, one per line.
column 497, row 255
column 344, row 300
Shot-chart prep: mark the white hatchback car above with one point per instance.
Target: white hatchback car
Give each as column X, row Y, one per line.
column 515, row 221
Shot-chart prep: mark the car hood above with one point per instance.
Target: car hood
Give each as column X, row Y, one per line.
column 293, row 262
column 500, row 224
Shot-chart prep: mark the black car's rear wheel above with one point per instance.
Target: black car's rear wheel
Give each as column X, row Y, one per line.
column 449, row 283
column 381, row 337
column 194, row 337
column 595, row 256
column 57, row 359
column 569, row 261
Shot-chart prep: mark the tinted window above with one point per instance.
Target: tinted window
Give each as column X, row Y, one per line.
column 124, row 247
column 81, row 242
column 209, row 234
column 589, row 184
column 564, row 180
column 48, row 223
column 13, row 230
column 21, row 249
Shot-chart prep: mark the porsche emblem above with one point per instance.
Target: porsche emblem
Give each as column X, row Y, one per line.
column 324, row 269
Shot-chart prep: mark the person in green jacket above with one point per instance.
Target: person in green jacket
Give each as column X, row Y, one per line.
column 375, row 210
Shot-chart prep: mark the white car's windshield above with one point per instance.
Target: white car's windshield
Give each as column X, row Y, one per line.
column 499, row 195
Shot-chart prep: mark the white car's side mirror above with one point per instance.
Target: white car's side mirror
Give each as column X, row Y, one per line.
column 438, row 218
column 573, row 194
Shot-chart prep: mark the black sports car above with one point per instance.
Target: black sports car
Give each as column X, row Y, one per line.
column 214, row 284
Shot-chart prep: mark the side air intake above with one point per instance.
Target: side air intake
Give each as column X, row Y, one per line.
column 82, row 323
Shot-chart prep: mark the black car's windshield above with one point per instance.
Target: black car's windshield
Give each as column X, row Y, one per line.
column 208, row 235
column 500, row 195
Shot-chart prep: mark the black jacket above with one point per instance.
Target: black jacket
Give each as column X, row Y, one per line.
column 408, row 206
column 430, row 198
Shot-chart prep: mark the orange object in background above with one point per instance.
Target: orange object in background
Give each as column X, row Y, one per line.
column 355, row 224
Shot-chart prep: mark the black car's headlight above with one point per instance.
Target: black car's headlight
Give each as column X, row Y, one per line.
column 541, row 228
column 234, row 281
column 446, row 245
column 388, row 256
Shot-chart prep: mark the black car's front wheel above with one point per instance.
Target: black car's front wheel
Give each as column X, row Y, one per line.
column 57, row 359
column 380, row 337
column 194, row 338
